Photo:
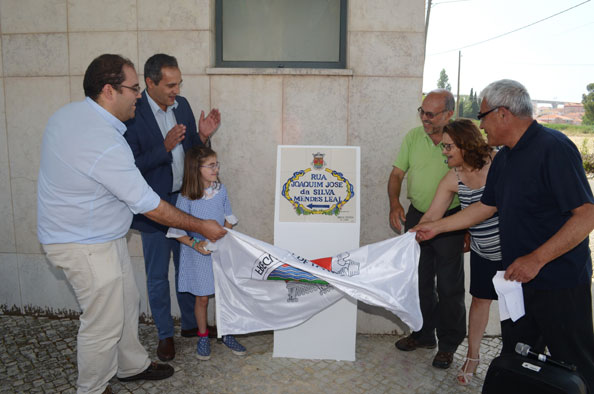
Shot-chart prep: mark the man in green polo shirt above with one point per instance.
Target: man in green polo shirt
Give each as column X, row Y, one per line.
column 442, row 303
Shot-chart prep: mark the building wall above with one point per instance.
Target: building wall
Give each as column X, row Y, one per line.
column 47, row 45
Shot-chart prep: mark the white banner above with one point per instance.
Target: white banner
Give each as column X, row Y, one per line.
column 249, row 300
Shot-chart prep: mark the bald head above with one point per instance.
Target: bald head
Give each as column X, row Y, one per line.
column 436, row 111
column 449, row 102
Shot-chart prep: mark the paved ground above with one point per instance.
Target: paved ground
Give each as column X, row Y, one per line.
column 39, row 355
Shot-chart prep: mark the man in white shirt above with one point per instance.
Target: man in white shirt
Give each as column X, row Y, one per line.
column 88, row 190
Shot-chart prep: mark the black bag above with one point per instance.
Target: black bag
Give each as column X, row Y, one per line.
column 513, row 373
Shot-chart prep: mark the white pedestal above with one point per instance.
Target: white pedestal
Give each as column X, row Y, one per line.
column 331, row 334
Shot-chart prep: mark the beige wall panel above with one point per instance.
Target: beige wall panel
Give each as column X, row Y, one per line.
column 1, row 70
column 33, row 16
column 103, row 15
column 174, row 14
column 46, row 286
column 10, row 291
column 191, row 48
column 24, row 200
column 197, row 90
column 381, row 111
column 386, row 15
column 84, row 47
column 315, row 110
column 251, row 110
column 7, row 239
column 386, row 54
column 35, row 54
column 32, row 102
column 77, row 92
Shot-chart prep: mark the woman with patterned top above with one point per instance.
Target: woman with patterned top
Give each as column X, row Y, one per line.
column 469, row 158
column 204, row 197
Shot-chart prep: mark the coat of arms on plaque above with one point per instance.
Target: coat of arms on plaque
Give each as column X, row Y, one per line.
column 318, row 160
column 319, row 190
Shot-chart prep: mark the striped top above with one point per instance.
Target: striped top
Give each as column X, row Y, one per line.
column 484, row 237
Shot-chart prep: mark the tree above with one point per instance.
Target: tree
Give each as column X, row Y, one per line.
column 442, row 82
column 468, row 106
column 474, row 104
column 461, row 103
column 588, row 101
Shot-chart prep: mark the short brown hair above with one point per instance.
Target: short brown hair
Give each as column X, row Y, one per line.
column 106, row 69
column 155, row 64
column 192, row 184
column 468, row 138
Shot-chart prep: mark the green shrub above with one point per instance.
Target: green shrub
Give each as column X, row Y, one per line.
column 571, row 128
column 587, row 157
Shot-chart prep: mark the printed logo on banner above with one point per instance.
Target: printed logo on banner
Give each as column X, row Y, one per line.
column 300, row 282
column 318, row 191
column 298, row 289
column 264, row 265
column 340, row 264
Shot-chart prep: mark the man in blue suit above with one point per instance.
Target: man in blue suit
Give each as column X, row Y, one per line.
column 162, row 130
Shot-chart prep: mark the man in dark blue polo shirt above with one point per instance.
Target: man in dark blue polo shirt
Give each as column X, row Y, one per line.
column 538, row 185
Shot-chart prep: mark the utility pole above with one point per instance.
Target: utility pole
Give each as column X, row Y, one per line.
column 427, row 26
column 458, row 89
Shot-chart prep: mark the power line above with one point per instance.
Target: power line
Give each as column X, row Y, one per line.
column 552, row 64
column 451, row 1
column 512, row 31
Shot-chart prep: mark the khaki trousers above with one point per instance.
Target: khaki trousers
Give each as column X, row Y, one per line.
column 103, row 283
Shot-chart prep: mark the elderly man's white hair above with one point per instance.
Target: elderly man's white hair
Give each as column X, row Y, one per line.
column 509, row 94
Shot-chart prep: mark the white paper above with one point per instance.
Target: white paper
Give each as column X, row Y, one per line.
column 175, row 233
column 511, row 297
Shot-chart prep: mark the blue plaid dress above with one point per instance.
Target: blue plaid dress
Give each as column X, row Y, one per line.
column 195, row 269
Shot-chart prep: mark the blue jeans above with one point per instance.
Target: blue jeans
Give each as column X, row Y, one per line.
column 157, row 253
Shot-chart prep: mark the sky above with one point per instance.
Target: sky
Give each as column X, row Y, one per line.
column 554, row 58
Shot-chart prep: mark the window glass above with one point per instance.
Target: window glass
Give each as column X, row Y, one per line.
column 281, row 33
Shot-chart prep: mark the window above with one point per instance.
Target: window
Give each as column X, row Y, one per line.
column 281, row 33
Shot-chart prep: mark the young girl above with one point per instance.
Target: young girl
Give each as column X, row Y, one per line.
column 204, row 197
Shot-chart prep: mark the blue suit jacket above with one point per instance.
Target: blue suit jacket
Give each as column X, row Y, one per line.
column 153, row 161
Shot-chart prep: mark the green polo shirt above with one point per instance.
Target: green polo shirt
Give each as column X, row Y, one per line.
column 424, row 164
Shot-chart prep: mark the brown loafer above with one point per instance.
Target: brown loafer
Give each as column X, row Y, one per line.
column 166, row 349
column 443, row 360
column 409, row 343
column 154, row 371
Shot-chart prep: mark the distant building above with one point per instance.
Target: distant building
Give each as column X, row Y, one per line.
column 558, row 112
column 571, row 108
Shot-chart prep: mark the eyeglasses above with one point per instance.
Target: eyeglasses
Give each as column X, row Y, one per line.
column 135, row 88
column 481, row 115
column 213, row 165
column 429, row 115
column 447, row 147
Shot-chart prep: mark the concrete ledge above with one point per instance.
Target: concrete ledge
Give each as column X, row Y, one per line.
column 278, row 71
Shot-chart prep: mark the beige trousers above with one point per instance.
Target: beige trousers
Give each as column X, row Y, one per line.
column 103, row 282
